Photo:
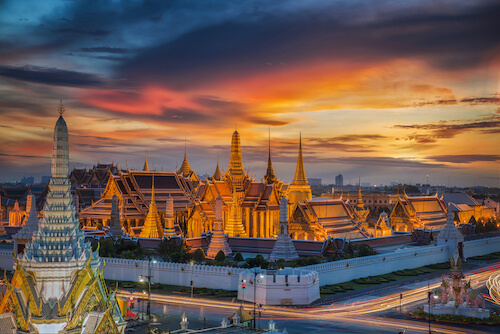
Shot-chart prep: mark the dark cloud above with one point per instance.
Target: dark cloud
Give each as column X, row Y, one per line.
column 97, row 32
column 465, row 158
column 105, row 49
column 460, row 38
column 386, row 161
column 445, row 129
column 51, row 76
column 481, row 100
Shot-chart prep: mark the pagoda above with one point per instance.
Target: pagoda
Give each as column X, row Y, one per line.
column 152, row 228
column 169, row 230
column 29, row 229
column 234, row 226
column 57, row 280
column 219, row 240
column 283, row 248
column 115, row 226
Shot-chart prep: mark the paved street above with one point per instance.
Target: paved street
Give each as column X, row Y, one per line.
column 377, row 312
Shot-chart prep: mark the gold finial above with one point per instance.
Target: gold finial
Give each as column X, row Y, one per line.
column 146, row 166
column 60, row 109
column 153, row 189
column 300, row 178
column 270, row 177
column 185, row 168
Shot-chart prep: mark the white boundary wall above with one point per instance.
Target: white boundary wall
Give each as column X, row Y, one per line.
column 329, row 273
column 181, row 274
column 6, row 260
column 346, row 270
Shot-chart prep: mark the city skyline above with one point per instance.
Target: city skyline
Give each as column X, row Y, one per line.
column 396, row 92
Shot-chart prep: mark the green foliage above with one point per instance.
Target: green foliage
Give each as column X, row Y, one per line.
column 494, row 319
column 172, row 250
column 199, row 255
column 365, row 250
column 220, row 257
column 257, row 261
column 238, row 257
column 122, row 248
column 107, row 248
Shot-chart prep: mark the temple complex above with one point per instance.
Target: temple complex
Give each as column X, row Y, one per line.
column 427, row 212
column 249, row 208
column 57, row 279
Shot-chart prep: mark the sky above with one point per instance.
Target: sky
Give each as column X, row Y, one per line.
column 398, row 91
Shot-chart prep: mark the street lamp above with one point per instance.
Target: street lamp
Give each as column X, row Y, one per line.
column 192, row 283
column 143, row 279
column 429, row 295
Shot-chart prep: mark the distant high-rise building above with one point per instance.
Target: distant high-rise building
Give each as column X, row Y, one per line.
column 28, row 180
column 315, row 181
column 339, row 180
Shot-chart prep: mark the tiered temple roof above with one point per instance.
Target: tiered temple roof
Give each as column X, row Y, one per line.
column 326, row 218
column 134, row 190
column 418, row 212
column 58, row 279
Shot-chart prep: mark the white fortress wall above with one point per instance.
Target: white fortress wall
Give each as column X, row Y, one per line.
column 180, row 274
column 6, row 260
column 346, row 270
column 291, row 286
column 481, row 247
column 329, row 273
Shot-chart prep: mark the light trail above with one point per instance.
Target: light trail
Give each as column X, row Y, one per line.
column 357, row 312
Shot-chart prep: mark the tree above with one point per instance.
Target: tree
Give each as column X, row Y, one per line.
column 220, row 257
column 238, row 257
column 199, row 255
column 107, row 248
column 173, row 251
column 365, row 250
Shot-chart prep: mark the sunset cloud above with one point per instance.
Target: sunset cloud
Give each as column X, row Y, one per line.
column 374, row 87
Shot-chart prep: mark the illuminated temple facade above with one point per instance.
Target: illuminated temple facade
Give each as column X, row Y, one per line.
column 411, row 212
column 250, row 208
column 57, row 286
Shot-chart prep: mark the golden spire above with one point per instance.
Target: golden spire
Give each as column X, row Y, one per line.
column 235, row 163
column 270, row 177
column 359, row 203
column 152, row 226
column 153, row 190
column 217, row 175
column 146, row 166
column 300, row 178
column 185, row 169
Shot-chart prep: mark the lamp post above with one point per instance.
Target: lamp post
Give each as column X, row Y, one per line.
column 192, row 283
column 142, row 279
column 429, row 295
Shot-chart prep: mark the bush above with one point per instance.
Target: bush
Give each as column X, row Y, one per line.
column 238, row 257
column 220, row 257
column 199, row 255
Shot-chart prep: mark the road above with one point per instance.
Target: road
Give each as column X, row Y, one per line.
column 372, row 313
